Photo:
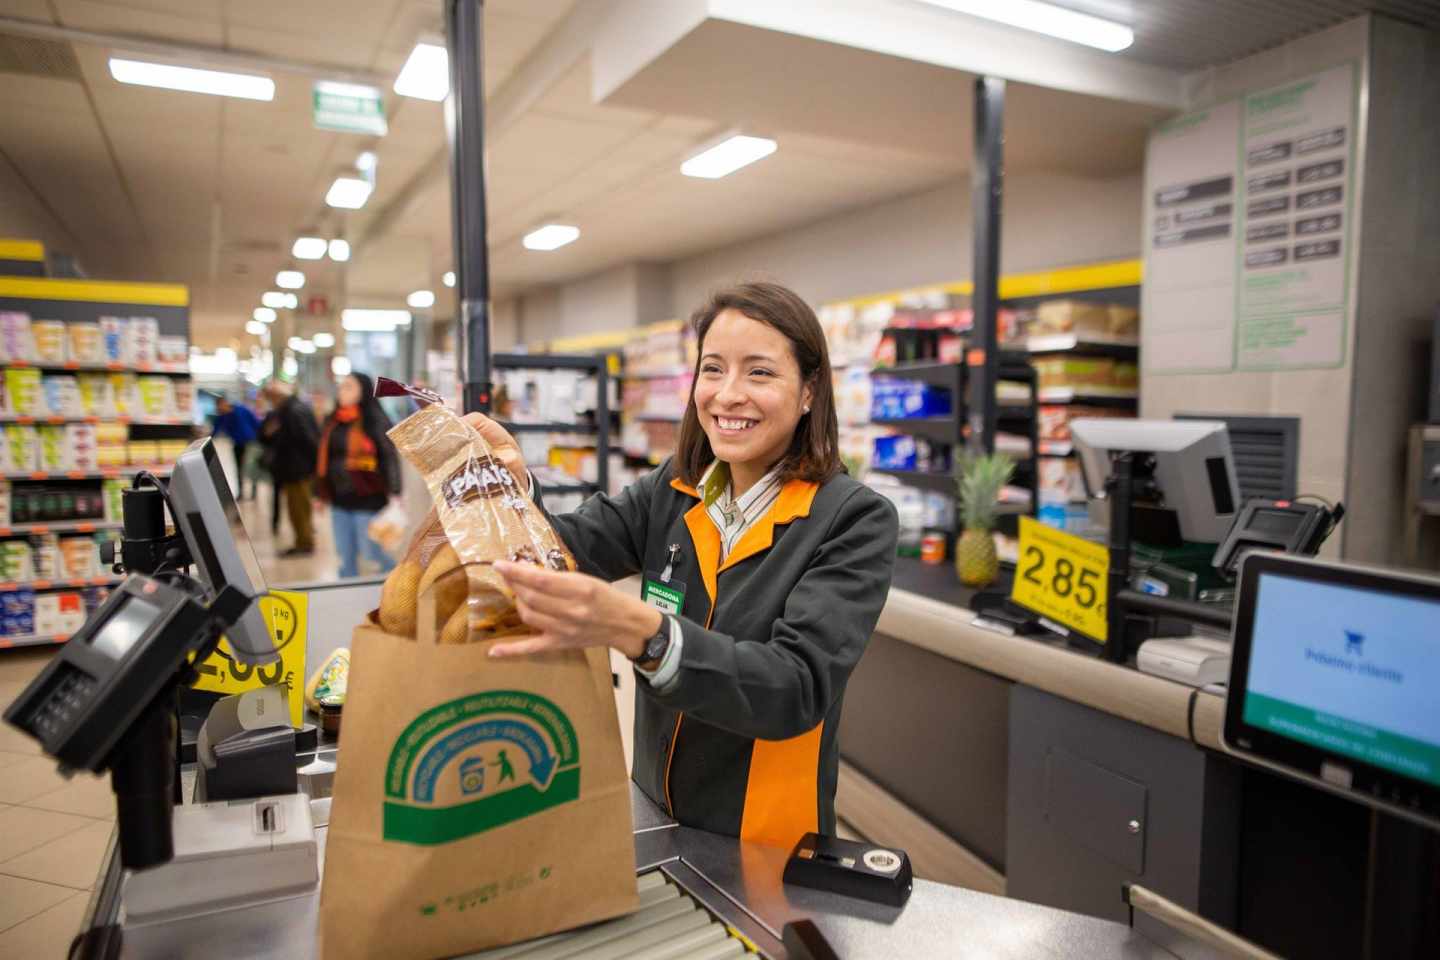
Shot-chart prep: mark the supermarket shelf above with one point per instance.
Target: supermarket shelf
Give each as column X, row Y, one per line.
column 138, row 421
column 104, row 473
column 946, row 429
column 1056, row 448
column 546, row 361
column 939, row 374
column 72, row 367
column 1100, row 396
column 32, row 640
column 552, row 426
column 939, row 482
column 59, row 526
column 1124, row 348
column 7, row 586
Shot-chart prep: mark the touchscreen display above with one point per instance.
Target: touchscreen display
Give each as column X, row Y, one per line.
column 1349, row 671
column 126, row 625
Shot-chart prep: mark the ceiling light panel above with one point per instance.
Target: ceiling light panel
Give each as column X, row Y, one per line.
column 340, row 366
column 449, row 278
column 263, row 314
column 255, row 327
column 421, row 299
column 552, row 236
column 1048, row 19
column 348, row 193
column 290, row 279
column 426, row 74
column 324, row 340
column 373, row 321
column 220, row 83
column 339, row 250
column 727, row 156
column 308, row 248
column 276, row 300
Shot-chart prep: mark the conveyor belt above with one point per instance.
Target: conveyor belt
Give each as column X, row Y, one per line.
column 670, row 925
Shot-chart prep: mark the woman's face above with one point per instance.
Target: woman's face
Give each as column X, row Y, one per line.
column 748, row 393
column 349, row 393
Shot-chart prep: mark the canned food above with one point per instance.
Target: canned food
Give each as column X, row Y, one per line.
column 932, row 548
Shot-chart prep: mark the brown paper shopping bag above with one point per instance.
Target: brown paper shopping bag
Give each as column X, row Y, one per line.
column 477, row 802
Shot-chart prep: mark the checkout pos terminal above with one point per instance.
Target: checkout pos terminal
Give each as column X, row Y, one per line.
column 106, row 702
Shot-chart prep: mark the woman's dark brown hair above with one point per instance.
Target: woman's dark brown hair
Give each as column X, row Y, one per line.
column 814, row 452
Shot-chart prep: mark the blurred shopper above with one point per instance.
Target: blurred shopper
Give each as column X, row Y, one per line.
column 291, row 437
column 358, row 471
column 239, row 423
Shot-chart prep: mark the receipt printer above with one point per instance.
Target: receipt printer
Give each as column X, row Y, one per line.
column 877, row 874
column 247, row 748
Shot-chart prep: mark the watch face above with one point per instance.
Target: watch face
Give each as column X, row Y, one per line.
column 655, row 648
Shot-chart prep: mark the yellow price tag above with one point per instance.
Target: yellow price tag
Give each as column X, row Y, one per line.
column 284, row 612
column 1063, row 578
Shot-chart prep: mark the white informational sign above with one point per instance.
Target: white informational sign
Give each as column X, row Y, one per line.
column 1188, row 297
column 1248, row 231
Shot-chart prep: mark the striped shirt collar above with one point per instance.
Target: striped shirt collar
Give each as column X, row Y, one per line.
column 733, row 516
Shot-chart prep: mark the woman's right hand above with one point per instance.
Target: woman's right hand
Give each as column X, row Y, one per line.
column 506, row 450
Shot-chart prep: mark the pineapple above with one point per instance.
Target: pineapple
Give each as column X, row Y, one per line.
column 979, row 488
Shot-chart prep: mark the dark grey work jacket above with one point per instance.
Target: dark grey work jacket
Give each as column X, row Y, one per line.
column 743, row 742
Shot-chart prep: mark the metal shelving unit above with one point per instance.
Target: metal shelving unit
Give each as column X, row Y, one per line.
column 596, row 365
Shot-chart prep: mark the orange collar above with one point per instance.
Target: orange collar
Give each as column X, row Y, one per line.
column 794, row 501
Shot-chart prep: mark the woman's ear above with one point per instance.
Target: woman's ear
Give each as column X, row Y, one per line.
column 807, row 396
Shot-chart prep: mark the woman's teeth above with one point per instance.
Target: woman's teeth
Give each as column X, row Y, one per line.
column 728, row 424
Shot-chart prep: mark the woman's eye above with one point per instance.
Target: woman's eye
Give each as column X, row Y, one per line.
column 710, row 368
column 761, row 372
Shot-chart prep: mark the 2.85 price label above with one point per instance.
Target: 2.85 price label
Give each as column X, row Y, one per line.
column 1062, row 577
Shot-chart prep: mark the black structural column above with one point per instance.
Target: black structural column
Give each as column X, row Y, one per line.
column 465, row 128
column 987, row 179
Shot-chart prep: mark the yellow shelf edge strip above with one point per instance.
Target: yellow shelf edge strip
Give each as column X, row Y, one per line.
column 31, row 250
column 96, row 291
column 1092, row 276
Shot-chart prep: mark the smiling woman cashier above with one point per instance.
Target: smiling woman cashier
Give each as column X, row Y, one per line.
column 771, row 563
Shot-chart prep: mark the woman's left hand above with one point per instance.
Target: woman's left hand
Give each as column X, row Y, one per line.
column 574, row 610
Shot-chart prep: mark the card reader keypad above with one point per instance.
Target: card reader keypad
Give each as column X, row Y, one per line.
column 69, row 696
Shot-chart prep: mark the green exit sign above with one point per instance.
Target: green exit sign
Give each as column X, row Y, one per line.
column 349, row 108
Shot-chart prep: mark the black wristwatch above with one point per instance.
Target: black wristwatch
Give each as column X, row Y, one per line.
column 656, row 646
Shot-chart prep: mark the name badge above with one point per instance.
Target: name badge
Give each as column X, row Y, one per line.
column 665, row 597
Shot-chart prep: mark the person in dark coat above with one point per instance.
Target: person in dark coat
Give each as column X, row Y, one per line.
column 239, row 423
column 291, row 438
column 358, row 471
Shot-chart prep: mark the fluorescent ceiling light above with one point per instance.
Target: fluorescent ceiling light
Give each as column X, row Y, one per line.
column 264, row 315
column 366, row 162
column 1048, row 19
column 290, row 279
column 727, row 156
column 421, row 299
column 294, row 343
column 340, row 250
column 290, row 366
column 552, row 236
column 348, row 193
column 325, row 340
column 449, row 278
column 426, row 74
column 276, row 300
column 247, row 86
column 291, row 301
column 340, row 366
column 374, row 321
column 305, row 346
column 255, row 327
column 308, row 248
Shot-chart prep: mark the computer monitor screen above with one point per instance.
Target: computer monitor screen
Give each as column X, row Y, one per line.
column 209, row 519
column 1334, row 677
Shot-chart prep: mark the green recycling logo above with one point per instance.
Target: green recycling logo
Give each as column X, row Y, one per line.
column 477, row 763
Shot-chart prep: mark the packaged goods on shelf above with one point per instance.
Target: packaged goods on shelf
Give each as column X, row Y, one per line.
column 1083, row 317
column 16, row 343
column 1064, row 515
column 172, row 350
column 17, row 607
column 51, row 341
column 80, row 440
column 86, row 343
column 1015, row 444
column 23, row 393
column 126, row 394
column 939, row 511
column 170, row 450
column 54, row 452
column 110, row 494
column 59, row 614
column 111, row 432
column 142, row 452
column 93, row 597
column 17, row 562
column 184, row 398
column 1054, row 420
column 21, row 448
column 79, row 557
column 853, row 392
column 62, row 395
column 46, row 556
column 851, row 334
column 32, row 503
column 909, row 504
column 1081, row 372
column 114, row 344
column 892, row 399
column 111, row 455
column 157, row 397
column 665, row 348
column 902, row 452
column 142, row 335
column 4, row 503
column 1060, row 479
column 97, row 395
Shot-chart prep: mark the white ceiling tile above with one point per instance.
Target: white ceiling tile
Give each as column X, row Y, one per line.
column 199, row 25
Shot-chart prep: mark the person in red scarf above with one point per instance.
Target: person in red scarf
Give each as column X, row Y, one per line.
column 358, row 471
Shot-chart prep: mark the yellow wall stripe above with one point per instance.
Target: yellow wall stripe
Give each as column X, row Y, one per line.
column 1094, row 276
column 96, row 291
column 32, row 250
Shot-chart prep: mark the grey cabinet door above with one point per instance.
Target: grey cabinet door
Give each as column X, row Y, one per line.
column 1096, row 802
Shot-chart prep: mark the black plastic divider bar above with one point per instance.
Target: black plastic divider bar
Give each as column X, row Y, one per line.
column 987, row 180
column 465, row 125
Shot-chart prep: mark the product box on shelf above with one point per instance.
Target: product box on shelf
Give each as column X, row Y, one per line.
column 23, row 392
column 114, row 343
column 172, row 350
column 5, row 520
column 1053, row 423
column 157, row 398
column 127, row 394
column 17, row 609
column 97, row 395
column 21, row 448
column 86, row 343
column 51, row 341
column 110, row 490
column 54, row 452
column 892, row 399
column 894, row 453
column 143, row 452
column 184, row 398
column 16, row 343
column 1081, row 372
column 143, row 334
column 79, row 557
column 46, row 556
column 62, row 395
column 80, row 440
column 93, row 597
column 1060, row 479
column 1083, row 317
column 17, row 562
column 59, row 614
